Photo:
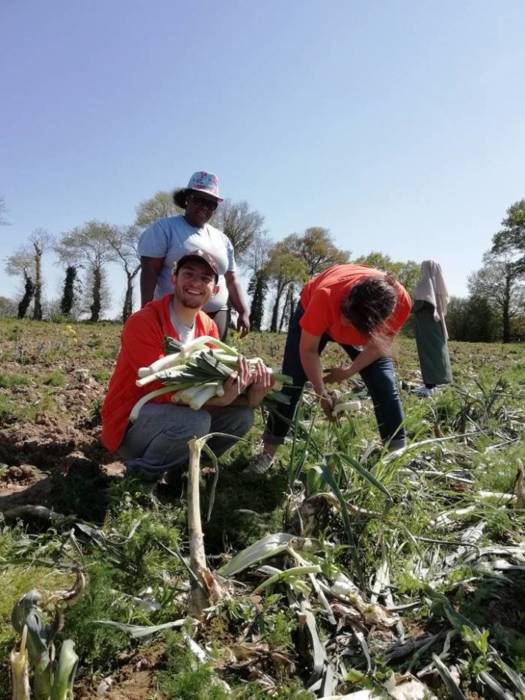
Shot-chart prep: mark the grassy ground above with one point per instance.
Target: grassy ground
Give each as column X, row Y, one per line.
column 438, row 531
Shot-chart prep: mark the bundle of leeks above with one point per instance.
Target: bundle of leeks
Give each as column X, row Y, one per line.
column 194, row 373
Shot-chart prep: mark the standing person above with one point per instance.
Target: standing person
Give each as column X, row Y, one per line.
column 157, row 441
column 361, row 309
column 168, row 239
column 430, row 309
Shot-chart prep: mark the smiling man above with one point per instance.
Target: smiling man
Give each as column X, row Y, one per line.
column 170, row 238
column 157, row 441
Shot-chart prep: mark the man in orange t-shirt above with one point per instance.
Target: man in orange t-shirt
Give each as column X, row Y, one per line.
column 157, row 441
column 361, row 309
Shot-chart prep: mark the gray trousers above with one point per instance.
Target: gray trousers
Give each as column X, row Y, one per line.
column 158, row 440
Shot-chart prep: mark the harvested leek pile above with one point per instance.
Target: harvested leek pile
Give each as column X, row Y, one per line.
column 195, row 373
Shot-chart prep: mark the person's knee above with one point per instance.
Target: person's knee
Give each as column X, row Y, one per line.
column 242, row 421
column 380, row 379
column 194, row 424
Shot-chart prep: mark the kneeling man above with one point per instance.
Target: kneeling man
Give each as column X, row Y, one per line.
column 157, row 441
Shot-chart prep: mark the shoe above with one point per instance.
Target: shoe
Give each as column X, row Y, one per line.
column 424, row 391
column 260, row 465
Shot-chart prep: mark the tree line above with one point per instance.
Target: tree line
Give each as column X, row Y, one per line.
column 494, row 309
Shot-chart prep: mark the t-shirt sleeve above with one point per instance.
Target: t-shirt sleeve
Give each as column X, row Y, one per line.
column 401, row 311
column 317, row 316
column 154, row 242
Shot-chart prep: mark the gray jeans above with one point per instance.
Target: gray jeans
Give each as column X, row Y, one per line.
column 158, row 440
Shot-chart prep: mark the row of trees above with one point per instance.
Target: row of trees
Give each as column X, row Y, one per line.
column 495, row 308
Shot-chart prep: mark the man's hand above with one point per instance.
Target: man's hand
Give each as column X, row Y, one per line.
column 327, row 404
column 335, row 375
column 243, row 324
column 262, row 383
column 235, row 384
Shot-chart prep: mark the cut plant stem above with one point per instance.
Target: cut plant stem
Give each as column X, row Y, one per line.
column 204, row 589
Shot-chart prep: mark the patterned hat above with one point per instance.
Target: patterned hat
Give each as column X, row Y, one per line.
column 201, row 181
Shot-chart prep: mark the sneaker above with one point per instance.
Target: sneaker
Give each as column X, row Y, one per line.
column 424, row 392
column 260, row 465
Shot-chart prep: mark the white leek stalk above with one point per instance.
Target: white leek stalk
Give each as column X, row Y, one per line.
column 18, row 661
column 65, row 673
column 204, row 394
column 144, row 400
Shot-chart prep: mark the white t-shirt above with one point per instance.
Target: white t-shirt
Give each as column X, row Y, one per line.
column 173, row 237
column 184, row 332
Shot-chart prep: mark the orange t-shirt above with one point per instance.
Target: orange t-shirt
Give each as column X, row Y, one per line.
column 142, row 342
column 321, row 300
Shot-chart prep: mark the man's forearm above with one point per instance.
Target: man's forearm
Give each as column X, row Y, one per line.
column 148, row 282
column 313, row 370
column 236, row 295
column 369, row 354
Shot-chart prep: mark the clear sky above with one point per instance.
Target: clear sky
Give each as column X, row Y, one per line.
column 397, row 124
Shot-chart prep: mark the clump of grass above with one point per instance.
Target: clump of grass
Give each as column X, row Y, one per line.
column 97, row 645
column 55, row 378
column 8, row 380
column 185, row 678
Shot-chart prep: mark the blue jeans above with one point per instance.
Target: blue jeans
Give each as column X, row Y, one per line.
column 379, row 377
column 158, row 440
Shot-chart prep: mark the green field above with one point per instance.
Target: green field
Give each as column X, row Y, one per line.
column 403, row 571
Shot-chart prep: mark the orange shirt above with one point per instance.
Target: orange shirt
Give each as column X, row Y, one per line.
column 321, row 300
column 142, row 342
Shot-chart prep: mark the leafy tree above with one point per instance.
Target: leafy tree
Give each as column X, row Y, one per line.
column 242, row 226
column 256, row 260
column 88, row 247
column 511, row 238
column 288, row 307
column 318, row 251
column 123, row 241
column 70, row 291
column 472, row 320
column 40, row 240
column 406, row 272
column 499, row 281
column 160, row 206
column 8, row 307
column 285, row 267
column 258, row 288
column 22, row 263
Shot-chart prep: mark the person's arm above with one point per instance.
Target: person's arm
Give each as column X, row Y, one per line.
column 149, row 273
column 369, row 354
column 238, row 302
column 311, row 362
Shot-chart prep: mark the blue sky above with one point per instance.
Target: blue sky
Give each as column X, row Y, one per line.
column 398, row 125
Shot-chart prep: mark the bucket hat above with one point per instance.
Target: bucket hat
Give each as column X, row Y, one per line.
column 201, row 181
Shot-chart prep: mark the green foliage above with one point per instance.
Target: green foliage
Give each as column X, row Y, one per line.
column 9, row 380
column 97, row 645
column 473, row 320
column 185, row 678
column 55, row 378
column 160, row 206
column 258, row 288
column 68, row 296
column 511, row 238
column 407, row 272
